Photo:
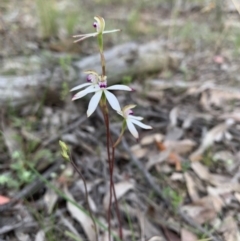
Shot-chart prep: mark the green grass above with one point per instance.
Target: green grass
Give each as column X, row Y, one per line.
column 129, row 222
column 174, row 196
column 48, row 15
column 207, row 159
column 26, row 153
column 73, row 236
column 71, row 21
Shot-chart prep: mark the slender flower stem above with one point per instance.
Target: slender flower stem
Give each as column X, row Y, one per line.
column 120, row 136
column 86, row 195
column 111, row 169
column 103, row 63
column 104, row 112
column 109, row 163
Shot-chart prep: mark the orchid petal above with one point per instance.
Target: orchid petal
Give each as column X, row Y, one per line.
column 91, row 72
column 132, row 129
column 111, row 31
column 100, row 24
column 120, row 113
column 135, row 117
column 112, row 100
column 128, row 107
column 80, row 86
column 119, row 87
column 83, row 35
column 88, row 90
column 94, row 102
column 140, row 124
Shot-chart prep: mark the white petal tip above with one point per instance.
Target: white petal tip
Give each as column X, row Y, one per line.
column 74, row 98
column 147, row 128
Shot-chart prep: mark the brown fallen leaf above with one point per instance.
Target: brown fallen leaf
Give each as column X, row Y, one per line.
column 219, row 96
column 200, row 88
column 157, row 159
column 234, row 115
column 217, row 191
column 172, row 157
column 121, row 189
column 237, row 196
column 10, row 140
column 180, row 147
column 215, row 134
column 209, row 7
column 170, row 235
column 64, row 220
column 173, row 116
column 21, row 236
column 211, row 202
column 50, row 198
column 230, row 230
column 40, row 236
column 83, row 219
column 187, row 235
column 204, row 209
column 147, row 228
column 139, row 151
column 175, row 159
column 176, row 176
column 220, row 180
column 200, row 170
column 149, row 139
column 156, row 238
column 191, row 187
column 175, row 148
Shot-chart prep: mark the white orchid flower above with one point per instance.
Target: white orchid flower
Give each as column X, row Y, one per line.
column 99, row 25
column 132, row 120
column 99, row 86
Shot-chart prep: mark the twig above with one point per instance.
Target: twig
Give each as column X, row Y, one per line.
column 69, row 128
column 9, row 228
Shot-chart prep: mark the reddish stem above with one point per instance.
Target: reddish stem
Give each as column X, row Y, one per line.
column 111, row 168
column 109, row 162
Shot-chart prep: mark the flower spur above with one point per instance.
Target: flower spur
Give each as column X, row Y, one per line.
column 99, row 25
column 98, row 84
